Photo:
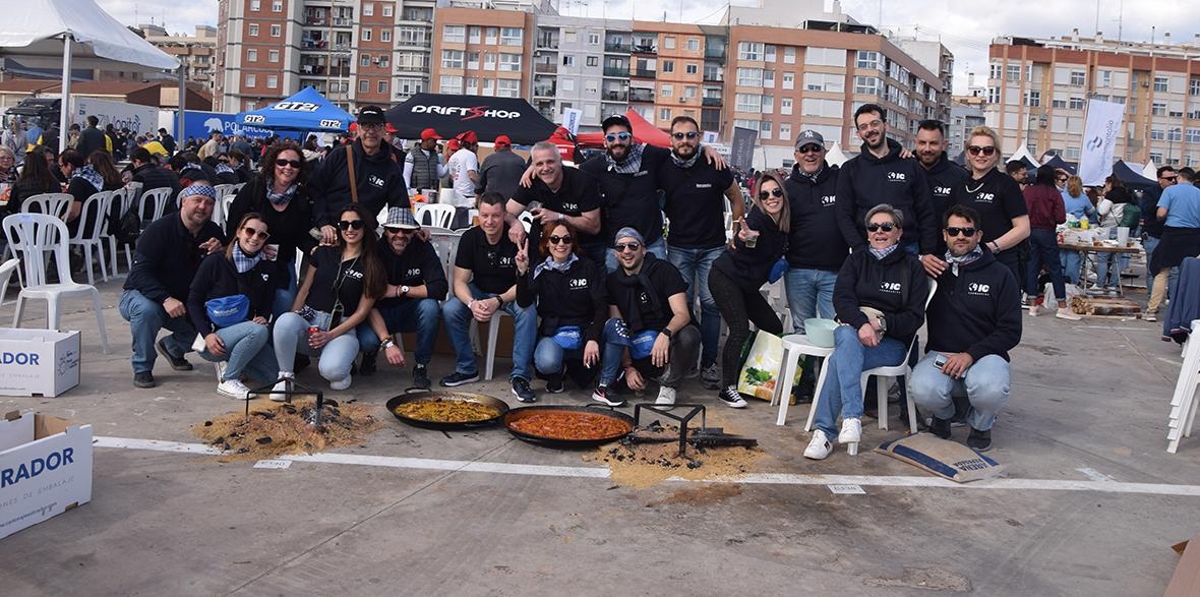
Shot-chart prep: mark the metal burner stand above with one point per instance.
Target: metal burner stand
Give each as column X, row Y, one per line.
column 683, row 419
column 294, row 388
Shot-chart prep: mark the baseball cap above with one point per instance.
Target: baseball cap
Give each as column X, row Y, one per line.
column 401, row 217
column 371, row 115
column 429, row 134
column 809, row 136
column 614, row 120
column 502, row 141
column 468, row 137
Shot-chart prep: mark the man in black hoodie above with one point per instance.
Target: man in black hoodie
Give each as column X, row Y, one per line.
column 974, row 319
column 942, row 174
column 879, row 175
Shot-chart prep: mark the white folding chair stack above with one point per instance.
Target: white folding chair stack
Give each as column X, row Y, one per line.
column 24, row 231
column 1185, row 400
column 98, row 204
column 437, row 215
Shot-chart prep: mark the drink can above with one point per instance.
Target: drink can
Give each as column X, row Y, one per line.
column 312, row 329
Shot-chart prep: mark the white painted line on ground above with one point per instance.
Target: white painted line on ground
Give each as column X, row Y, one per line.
column 1095, row 475
column 504, row 468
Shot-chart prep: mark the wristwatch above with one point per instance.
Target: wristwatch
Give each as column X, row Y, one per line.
column 404, row 290
column 667, row 332
column 882, row 323
column 388, row 343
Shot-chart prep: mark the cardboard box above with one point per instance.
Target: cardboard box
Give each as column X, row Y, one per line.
column 38, row 362
column 1186, row 580
column 45, row 469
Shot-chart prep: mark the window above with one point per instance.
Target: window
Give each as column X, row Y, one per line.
column 993, row 95
column 1158, row 108
column 473, row 34
column 1033, row 99
column 867, row 59
column 593, row 39
column 451, row 84
column 689, row 92
column 764, row 129
column 454, row 34
column 277, row 6
column 365, row 34
column 272, row 55
column 1013, row 73
column 593, row 61
column 272, row 81
column 668, row 66
column 382, row 87
column 693, row 44
column 489, row 61
column 748, row 50
column 251, row 55
column 669, row 42
column 1078, row 78
column 749, row 77
column 785, row 131
column 747, row 102
column 867, row 85
column 511, row 36
column 368, row 9
column 1194, row 86
column 276, row 30
column 664, row 114
column 1175, row 134
column 255, row 5
column 789, row 80
column 692, row 68
column 385, row 34
column 251, row 80
column 785, row 106
column 491, row 35
column 789, row 57
column 769, row 54
column 508, row 87
column 410, row 35
column 568, row 60
column 823, row 82
column 769, row 79
column 1193, row 135
column 824, row 57
column 387, row 10
column 510, row 62
column 997, row 71
column 567, row 84
column 1157, row 135
column 1105, row 78
column 1058, row 104
column 1160, row 84
column 253, row 30
column 1076, row 103
column 452, row 59
column 365, row 60
column 666, row 91
column 364, row 85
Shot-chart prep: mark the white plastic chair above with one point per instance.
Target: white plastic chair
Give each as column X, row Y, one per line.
column 446, row 246
column 493, row 334
column 55, row 204
column 153, row 203
column 888, row 373
column 526, row 219
column 439, row 215
column 220, row 213
column 123, row 198
column 6, row 272
column 795, row 346
column 1185, row 400
column 23, row 232
column 98, row 204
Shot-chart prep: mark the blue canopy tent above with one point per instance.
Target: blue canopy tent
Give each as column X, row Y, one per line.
column 306, row 111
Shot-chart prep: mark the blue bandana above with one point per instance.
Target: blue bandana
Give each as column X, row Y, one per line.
column 198, row 189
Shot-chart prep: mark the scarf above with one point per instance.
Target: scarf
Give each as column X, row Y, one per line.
column 550, row 264
column 631, row 165
column 89, row 174
column 969, row 258
column 884, row 252
column 223, row 168
column 811, row 177
column 280, row 198
column 243, row 262
column 640, row 281
column 688, row 163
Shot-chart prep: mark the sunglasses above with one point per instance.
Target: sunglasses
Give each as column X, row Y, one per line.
column 620, row 247
column 1170, row 178
column 687, row 135
column 886, row 227
column 775, row 192
column 986, row 150
column 810, row 149
column 262, row 234
column 293, row 163
column 611, row 137
column 348, row 224
column 1060, row 178
column 953, row 231
column 556, row 239
column 404, row 231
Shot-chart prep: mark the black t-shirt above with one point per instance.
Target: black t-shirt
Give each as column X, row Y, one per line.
column 997, row 198
column 695, row 204
column 419, row 265
column 664, row 280
column 576, row 196
column 493, row 267
column 630, row 199
column 332, row 272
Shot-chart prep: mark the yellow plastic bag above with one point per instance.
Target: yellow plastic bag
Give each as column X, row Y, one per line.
column 760, row 371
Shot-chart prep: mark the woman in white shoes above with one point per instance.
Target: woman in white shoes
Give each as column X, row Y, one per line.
column 229, row 302
column 879, row 297
column 340, row 287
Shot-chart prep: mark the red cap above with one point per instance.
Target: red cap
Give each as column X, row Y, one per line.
column 503, row 141
column 429, row 134
column 468, row 137
column 452, row 144
column 390, row 129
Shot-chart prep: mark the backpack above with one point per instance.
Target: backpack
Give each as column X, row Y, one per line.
column 129, row 226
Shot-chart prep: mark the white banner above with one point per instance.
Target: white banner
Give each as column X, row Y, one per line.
column 1099, row 139
column 570, row 119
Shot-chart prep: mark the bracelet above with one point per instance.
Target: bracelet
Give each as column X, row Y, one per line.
column 387, row 344
column 499, row 300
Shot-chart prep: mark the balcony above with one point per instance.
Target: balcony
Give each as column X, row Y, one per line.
column 715, row 54
column 315, row 21
column 713, row 77
column 615, row 71
column 548, row 114
column 641, row 96
column 644, row 49
column 712, row 102
column 643, row 73
column 614, row 96
column 542, row 67
column 340, row 22
column 544, row 91
column 547, row 44
column 312, row 69
column 618, row 48
column 411, row 68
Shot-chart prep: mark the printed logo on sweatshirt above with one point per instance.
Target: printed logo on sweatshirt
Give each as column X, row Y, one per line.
column 985, row 197
column 577, row 283
column 828, row 200
column 375, row 181
column 413, row 272
column 570, row 207
column 897, row 177
column 977, row 289
column 941, row 191
column 349, row 273
column 890, row 287
column 704, row 185
column 265, row 277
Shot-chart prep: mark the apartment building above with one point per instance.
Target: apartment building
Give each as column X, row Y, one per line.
column 583, row 64
column 483, row 52
column 1038, row 90
column 258, row 44
column 198, row 50
column 678, row 70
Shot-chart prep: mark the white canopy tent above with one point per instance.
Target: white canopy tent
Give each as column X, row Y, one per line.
column 835, row 156
column 1022, row 153
column 1150, row 171
column 52, row 33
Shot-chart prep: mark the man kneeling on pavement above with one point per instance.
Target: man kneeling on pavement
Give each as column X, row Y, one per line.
column 974, row 319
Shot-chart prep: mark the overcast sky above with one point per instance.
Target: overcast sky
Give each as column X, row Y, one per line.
column 965, row 27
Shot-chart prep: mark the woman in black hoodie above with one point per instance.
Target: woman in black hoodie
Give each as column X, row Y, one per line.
column 880, row 299
column 235, row 329
column 742, row 269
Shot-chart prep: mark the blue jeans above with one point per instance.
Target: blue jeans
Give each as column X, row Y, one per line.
column 145, row 318
column 549, row 357
column 658, row 247
column 458, row 324
column 842, row 393
column 422, row 316
column 1044, row 251
column 985, row 385
column 1071, row 266
column 284, row 297
column 680, row 356
column 694, row 265
column 336, row 357
column 248, row 351
column 809, row 292
column 1149, row 244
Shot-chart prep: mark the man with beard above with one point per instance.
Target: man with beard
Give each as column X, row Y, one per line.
column 942, row 174
column 695, row 193
column 562, row 195
column 973, row 321
column 424, row 167
column 879, row 175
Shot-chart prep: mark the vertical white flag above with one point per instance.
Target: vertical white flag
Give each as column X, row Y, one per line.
column 570, row 119
column 1099, row 139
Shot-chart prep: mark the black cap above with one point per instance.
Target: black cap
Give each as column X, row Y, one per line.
column 616, row 119
column 371, row 115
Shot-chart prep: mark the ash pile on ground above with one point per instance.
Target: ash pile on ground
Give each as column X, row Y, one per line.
column 641, row 465
column 276, row 429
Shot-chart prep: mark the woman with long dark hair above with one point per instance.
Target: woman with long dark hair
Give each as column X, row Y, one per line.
column 36, row 178
column 1044, row 202
column 1117, row 208
column 84, row 180
column 341, row 285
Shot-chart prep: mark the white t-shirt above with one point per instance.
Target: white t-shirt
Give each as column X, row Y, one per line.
column 462, row 162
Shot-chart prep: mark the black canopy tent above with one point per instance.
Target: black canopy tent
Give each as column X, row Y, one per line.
column 1061, row 164
column 1132, row 178
column 489, row 117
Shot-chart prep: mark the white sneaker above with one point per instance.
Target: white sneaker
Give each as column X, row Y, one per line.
column 220, row 367
column 819, row 447
column 851, row 432
column 234, row 388
column 1067, row 313
column 1033, row 310
column 281, row 386
column 341, row 384
column 666, row 396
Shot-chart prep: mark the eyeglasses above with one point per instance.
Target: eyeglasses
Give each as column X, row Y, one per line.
column 556, row 239
column 4, row 158
column 262, row 234
column 620, row 247
column 954, row 231
column 874, row 124
column 885, row 226
column 810, row 148
column 687, row 135
column 404, row 231
column 986, row 150
column 370, row 126
column 775, row 192
column 293, row 163
column 348, row 224
column 1060, row 178
column 612, row 137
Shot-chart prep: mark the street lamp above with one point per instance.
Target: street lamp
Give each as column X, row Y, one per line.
column 1170, row 143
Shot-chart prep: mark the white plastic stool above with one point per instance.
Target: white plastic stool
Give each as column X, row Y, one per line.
column 795, row 346
column 1184, row 401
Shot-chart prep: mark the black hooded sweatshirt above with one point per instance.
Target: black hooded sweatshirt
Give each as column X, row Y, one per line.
column 977, row 311
column 896, row 285
column 866, row 181
column 380, row 182
column 815, row 241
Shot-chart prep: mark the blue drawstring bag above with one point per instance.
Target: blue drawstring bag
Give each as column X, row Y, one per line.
column 777, row 270
column 228, row 310
column 642, row 344
column 568, row 337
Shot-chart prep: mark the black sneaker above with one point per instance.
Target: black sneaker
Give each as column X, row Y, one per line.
column 730, row 396
column 367, row 365
column 521, row 389
column 421, row 377
column 940, row 428
column 143, row 379
column 803, row 391
column 605, row 395
column 177, row 363
column 980, row 441
column 554, row 385
column 458, row 379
